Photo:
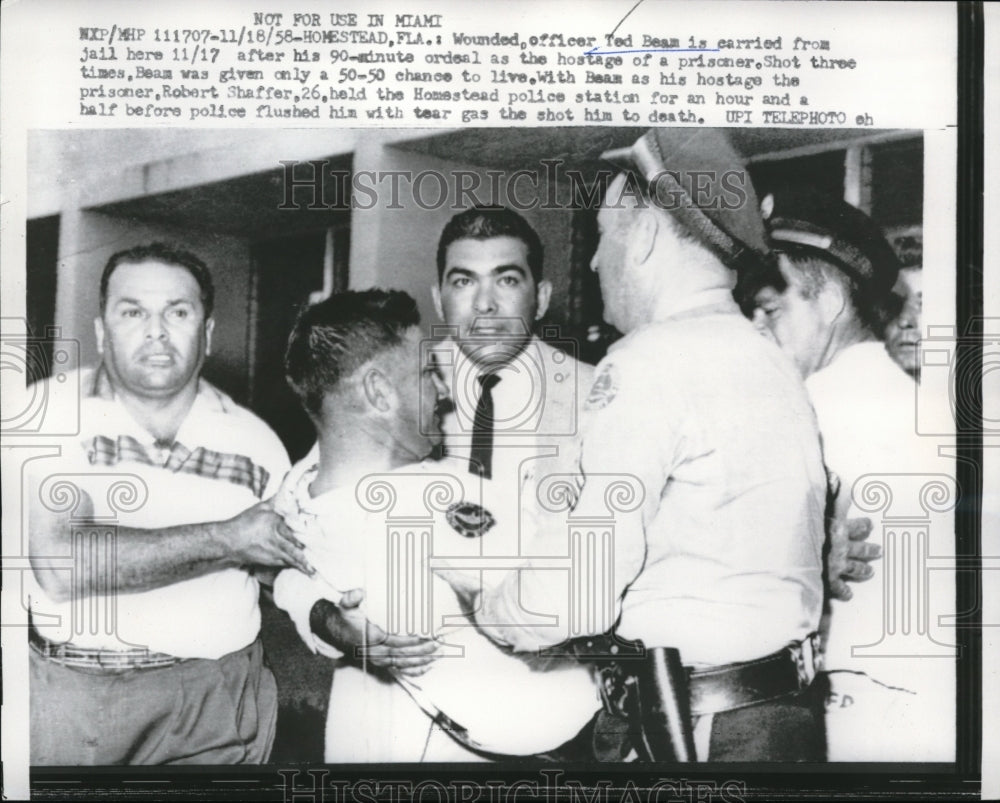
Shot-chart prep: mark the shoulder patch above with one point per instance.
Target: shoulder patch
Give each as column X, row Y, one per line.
column 470, row 519
column 604, row 389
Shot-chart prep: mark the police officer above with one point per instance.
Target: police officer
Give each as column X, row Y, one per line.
column 716, row 547
column 825, row 308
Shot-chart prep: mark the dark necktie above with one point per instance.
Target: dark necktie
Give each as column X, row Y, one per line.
column 481, row 456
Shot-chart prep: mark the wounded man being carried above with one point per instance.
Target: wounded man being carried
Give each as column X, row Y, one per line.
column 373, row 515
column 385, row 535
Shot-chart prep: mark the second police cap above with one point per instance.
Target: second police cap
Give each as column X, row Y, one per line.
column 806, row 222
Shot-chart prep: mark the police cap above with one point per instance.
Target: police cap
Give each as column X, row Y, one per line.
column 806, row 222
column 699, row 178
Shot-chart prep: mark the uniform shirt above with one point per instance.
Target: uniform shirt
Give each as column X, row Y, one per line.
column 700, row 455
column 866, row 409
column 223, row 460
column 537, row 405
column 382, row 536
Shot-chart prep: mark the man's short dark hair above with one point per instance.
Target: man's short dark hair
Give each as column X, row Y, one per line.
column 332, row 339
column 486, row 222
column 161, row 252
column 750, row 282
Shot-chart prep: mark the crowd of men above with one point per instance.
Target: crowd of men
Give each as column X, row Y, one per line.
column 506, row 552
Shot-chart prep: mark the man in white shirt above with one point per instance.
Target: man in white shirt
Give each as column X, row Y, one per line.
column 374, row 517
column 825, row 308
column 147, row 652
column 716, row 551
column 516, row 398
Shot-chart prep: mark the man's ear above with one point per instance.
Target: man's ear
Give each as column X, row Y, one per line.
column 436, row 295
column 640, row 240
column 209, row 328
column 99, row 333
column 832, row 301
column 543, row 294
column 378, row 390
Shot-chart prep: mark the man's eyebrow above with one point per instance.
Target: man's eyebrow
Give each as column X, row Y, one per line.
column 497, row 271
column 173, row 302
column 507, row 268
column 459, row 270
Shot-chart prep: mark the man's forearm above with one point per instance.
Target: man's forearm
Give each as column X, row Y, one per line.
column 150, row 559
column 143, row 560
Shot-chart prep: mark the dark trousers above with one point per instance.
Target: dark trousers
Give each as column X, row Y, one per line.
column 195, row 712
column 790, row 729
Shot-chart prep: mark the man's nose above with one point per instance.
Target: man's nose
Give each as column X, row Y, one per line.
column 155, row 330
column 759, row 320
column 485, row 300
column 909, row 318
column 440, row 387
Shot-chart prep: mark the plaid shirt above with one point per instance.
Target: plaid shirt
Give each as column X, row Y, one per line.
column 102, row 450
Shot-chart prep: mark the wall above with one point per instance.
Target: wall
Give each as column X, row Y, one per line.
column 107, row 165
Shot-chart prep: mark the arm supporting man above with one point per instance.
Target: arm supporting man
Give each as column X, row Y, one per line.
column 849, row 554
column 620, row 493
column 345, row 627
column 340, row 628
column 147, row 559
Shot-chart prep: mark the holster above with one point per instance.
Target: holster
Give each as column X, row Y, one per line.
column 663, row 707
column 648, row 687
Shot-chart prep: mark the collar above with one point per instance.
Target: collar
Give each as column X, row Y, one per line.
column 294, row 503
column 457, row 356
column 298, row 488
column 865, row 352
column 716, row 301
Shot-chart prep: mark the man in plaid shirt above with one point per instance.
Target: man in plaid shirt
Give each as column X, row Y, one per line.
column 146, row 650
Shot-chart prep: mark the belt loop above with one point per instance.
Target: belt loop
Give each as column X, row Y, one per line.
column 807, row 658
column 70, row 655
column 816, row 643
